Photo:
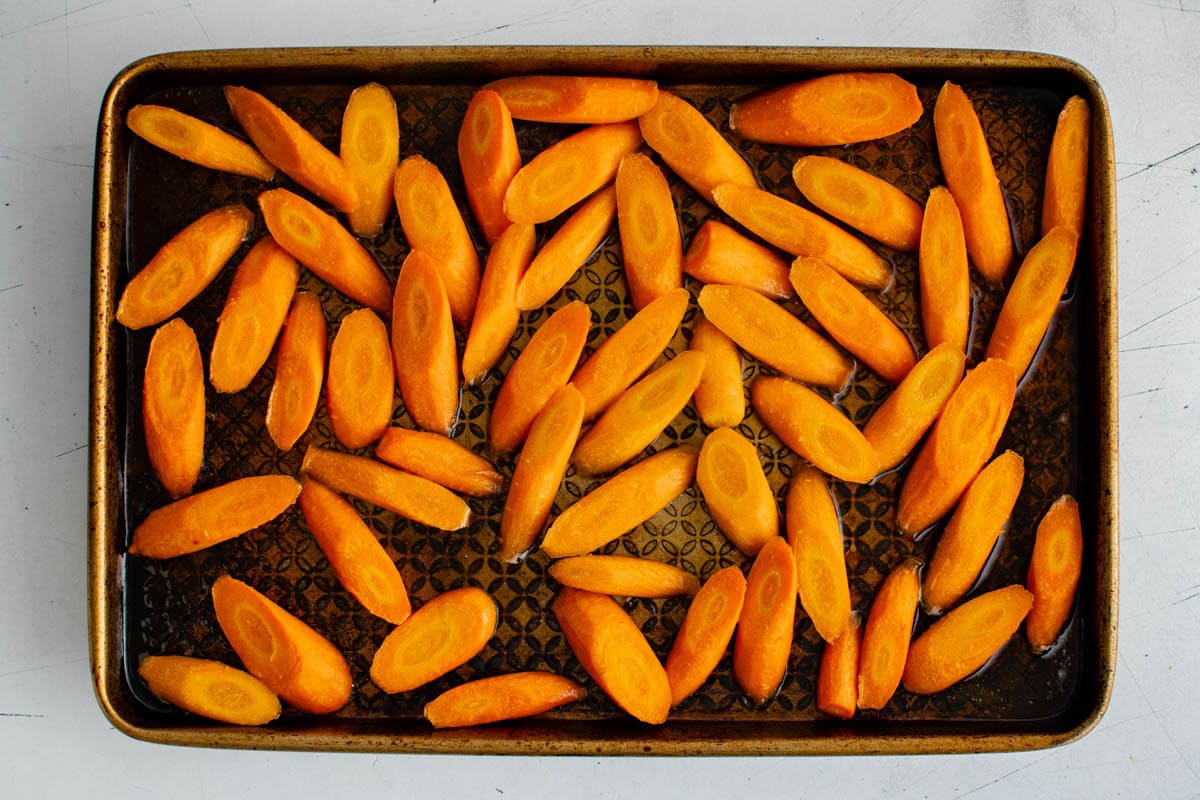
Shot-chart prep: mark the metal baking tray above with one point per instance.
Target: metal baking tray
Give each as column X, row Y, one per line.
column 1064, row 422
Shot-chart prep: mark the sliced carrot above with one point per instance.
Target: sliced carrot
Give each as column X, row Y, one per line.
column 441, row 460
column 705, row 633
column 639, row 415
column 501, row 697
column 423, row 345
column 567, row 250
column 1054, row 571
column 173, row 407
column 843, row 108
column 739, row 498
column 651, row 247
column 837, row 677
column 287, row 145
column 575, row 99
column 410, row 496
column 692, row 147
column 296, row 662
column 944, row 275
column 568, row 171
column 496, row 313
column 612, row 649
column 624, row 575
column 814, row 429
column 183, row 267
column 964, row 640
column 319, row 242
column 489, row 158
column 863, row 201
column 719, row 254
column 210, row 689
column 299, row 371
column 1066, row 169
column 621, row 503
column 213, row 516
column 358, row 559
column 961, row 442
column 720, row 397
column 814, row 530
column 370, row 148
column 197, row 141
column 884, row 648
column 544, row 365
column 361, row 387
column 764, row 632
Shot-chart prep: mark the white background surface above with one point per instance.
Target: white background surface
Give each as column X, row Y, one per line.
column 56, row 59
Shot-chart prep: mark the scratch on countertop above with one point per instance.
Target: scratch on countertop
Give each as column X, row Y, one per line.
column 72, row 450
column 1157, row 718
column 55, row 18
column 14, row 286
column 23, row 716
column 1005, row 776
column 1161, row 161
column 1158, row 346
column 35, row 157
column 1160, row 316
column 203, row 30
column 1142, row 392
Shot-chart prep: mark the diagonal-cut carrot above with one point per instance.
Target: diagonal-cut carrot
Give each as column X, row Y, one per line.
column 1066, row 169
column 575, row 99
column 1054, row 571
column 195, row 140
column 764, row 633
column 299, row 371
column 496, row 313
column 720, row 397
column 719, row 254
column 705, row 633
column 837, row 677
column 567, row 250
column 814, row 531
column 360, row 386
column 173, row 407
column 867, row 203
column 625, row 576
column 423, row 345
column 651, row 247
column 501, row 697
column 945, row 277
column 441, row 460
column 735, row 488
column 692, row 147
column 370, row 148
column 489, row 158
column 886, row 638
column 210, row 689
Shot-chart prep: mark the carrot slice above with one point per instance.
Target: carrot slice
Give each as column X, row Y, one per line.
column 837, row 677
column 843, row 108
column 319, row 242
column 287, row 145
column 358, row 559
column 423, row 345
column 639, row 415
column 213, row 516
column 544, row 365
column 720, row 397
column 173, row 407
column 885, row 641
column 567, row 250
column 296, row 662
column 705, row 633
column 489, row 158
column 719, row 254
column 501, row 697
column 612, row 649
column 568, row 171
column 441, row 460
column 739, row 498
column 1066, row 169
column 210, row 689
column 961, row 442
column 815, row 429
column 299, row 371
column 624, row 575
column 496, row 313
column 575, row 99
column 651, row 247
column 195, row 140
column 183, row 267
column 866, row 203
column 1054, row 571
column 370, row 148
column 361, row 386
column 944, row 275
column 814, row 530
column 621, row 503
column 441, row 635
column 964, row 640
column 410, row 496
column 764, row 631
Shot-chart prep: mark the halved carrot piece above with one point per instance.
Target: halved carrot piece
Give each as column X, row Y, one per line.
column 440, row 459
column 197, row 141
column 287, row 145
column 544, row 365
column 964, row 640
column 837, row 677
column 410, row 496
column 639, row 415
column 568, row 171
column 441, row 635
column 370, row 148
column 814, row 530
column 183, row 267
column 705, row 633
column 800, row 232
column 961, row 442
column 720, row 397
column 575, row 99
column 213, row 516
column 612, row 649
column 299, row 371
column 1066, row 169
column 853, row 320
column 539, row 472
column 210, row 689
column 814, row 429
column 567, row 250
column 967, row 167
column 319, row 242
column 692, row 147
column 863, row 201
column 626, row 576
column 1054, row 571
column 358, row 559
column 719, row 254
column 944, row 275
column 360, row 388
column 489, row 158
column 423, row 345
column 843, row 108
column 621, row 503
column 764, row 632
column 739, row 498
column 173, row 407
column 651, row 247
column 296, row 662
column 496, row 313
column 884, row 648
column 500, row 697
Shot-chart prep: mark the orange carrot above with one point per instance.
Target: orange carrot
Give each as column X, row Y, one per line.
column 885, row 641
column 567, row 250
column 496, row 313
column 361, row 387
column 651, row 247
column 501, row 697
column 719, row 254
column 764, row 631
column 586, row 100
column 866, row 203
column 814, row 530
column 720, row 397
column 624, row 575
column 173, row 407
column 195, row 140
column 1066, row 169
column 423, row 345
column 1054, row 571
column 837, row 677
column 299, row 371
column 944, row 276
column 441, row 460
column 739, row 498
column 705, row 633
column 489, row 158
column 370, row 148
column 210, row 689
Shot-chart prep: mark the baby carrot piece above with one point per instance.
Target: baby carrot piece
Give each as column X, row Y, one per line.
column 639, row 415
column 967, row 166
column 720, row 397
column 815, row 429
column 843, row 108
column 624, row 575
column 853, row 320
column 370, row 148
column 496, row 313
column 292, row 659
column 194, row 140
column 739, row 498
column 837, row 677
column 319, row 242
column 575, row 99
column 213, row 516
column 1054, row 572
column 621, row 504
column 944, row 275
column 501, row 697
column 814, row 530
column 173, row 407
column 544, row 365
column 567, row 250
column 183, row 267
column 612, row 649
column 964, row 640
column 705, row 633
column 441, row 460
column 489, row 158
column 423, row 345
column 539, row 472
column 885, row 641
column 287, row 145
column 410, row 496
column 1066, row 169
column 692, row 147
column 568, row 171
column 441, row 635
column 651, row 247
column 358, row 559
column 360, row 387
column 299, row 371
column 210, row 689
column 764, row 631
column 866, row 203
column 719, row 254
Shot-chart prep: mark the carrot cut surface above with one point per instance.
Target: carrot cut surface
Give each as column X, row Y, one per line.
column 501, row 697
column 736, row 491
column 1067, row 169
column 720, row 396
column 370, row 148
column 814, row 530
column 489, row 158
column 440, row 459
column 719, row 254
column 837, row 677
column 567, row 250
column 1054, row 571
column 173, row 407
column 496, row 313
column 944, row 275
column 575, row 99
column 195, row 140
column 885, row 641
column 210, row 689
column 651, row 246
column 299, row 371
column 705, row 633
column 625, row 576
column 360, row 386
column 423, row 345
column 866, row 203
column 692, row 147
column 764, row 631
